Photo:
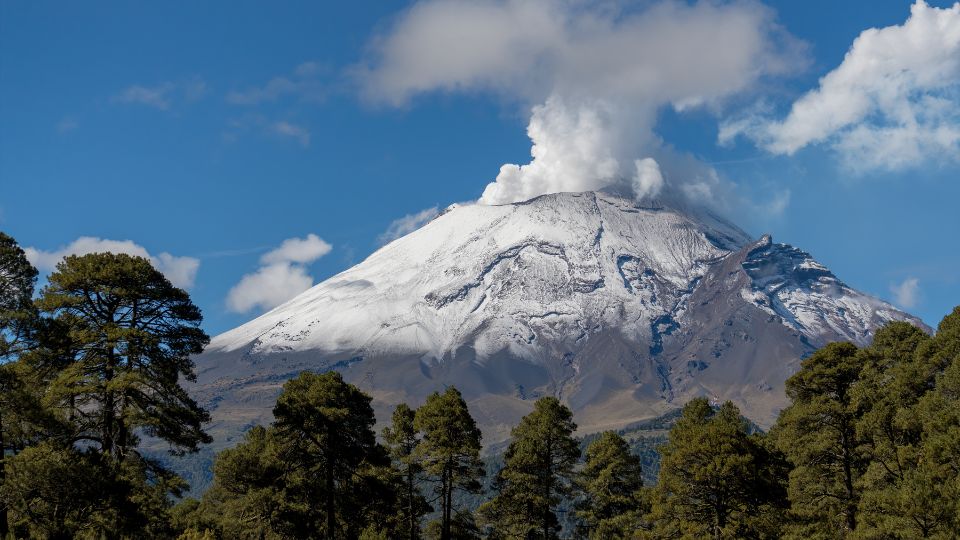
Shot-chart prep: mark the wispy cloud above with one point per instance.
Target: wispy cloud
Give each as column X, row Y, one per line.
column 906, row 294
column 66, row 125
column 407, row 224
column 163, row 95
column 259, row 123
column 157, row 96
column 304, row 84
column 281, row 276
column 181, row 271
column 287, row 129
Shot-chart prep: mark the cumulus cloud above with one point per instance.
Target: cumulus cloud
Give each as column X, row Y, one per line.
column 906, row 294
column 891, row 104
column 594, row 75
column 407, row 224
column 163, row 95
column 298, row 250
column 268, row 287
column 281, row 276
column 181, row 271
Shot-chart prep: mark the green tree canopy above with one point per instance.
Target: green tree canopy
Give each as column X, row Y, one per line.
column 324, row 427
column 611, row 482
column 17, row 281
column 537, row 474
column 716, row 481
column 449, row 451
column 899, row 489
column 317, row 472
column 60, row 493
column 401, row 439
column 131, row 336
column 817, row 433
column 248, row 497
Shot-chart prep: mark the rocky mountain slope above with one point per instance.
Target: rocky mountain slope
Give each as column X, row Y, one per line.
column 623, row 310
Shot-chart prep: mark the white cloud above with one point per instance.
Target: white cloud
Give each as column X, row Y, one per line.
column 163, row 95
column 281, row 276
column 595, row 74
column 304, row 84
column 906, row 294
column 298, row 250
column 268, row 287
column 287, row 129
column 891, row 104
column 181, row 271
column 407, row 224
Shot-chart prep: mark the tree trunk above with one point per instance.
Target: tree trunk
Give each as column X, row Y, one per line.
column 447, row 487
column 411, row 519
column 547, row 489
column 122, row 430
column 108, row 442
column 720, row 522
column 4, row 527
column 849, row 511
column 330, row 503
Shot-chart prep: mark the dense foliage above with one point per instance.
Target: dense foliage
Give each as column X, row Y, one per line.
column 91, row 366
column 868, row 448
column 537, row 475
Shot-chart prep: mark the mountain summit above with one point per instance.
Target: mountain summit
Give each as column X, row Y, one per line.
column 622, row 310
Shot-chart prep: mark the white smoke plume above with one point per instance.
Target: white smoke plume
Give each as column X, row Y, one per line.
column 407, row 224
column 594, row 75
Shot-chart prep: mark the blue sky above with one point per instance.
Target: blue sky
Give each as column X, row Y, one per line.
column 213, row 132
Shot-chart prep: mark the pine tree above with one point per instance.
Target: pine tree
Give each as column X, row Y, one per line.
column 716, row 481
column 449, row 451
column 537, row 474
column 248, row 498
column 24, row 421
column 17, row 281
column 611, row 481
column 324, row 428
column 463, row 526
column 131, row 335
column 930, row 499
column 898, row 491
column 17, row 319
column 401, row 440
column 316, row 472
column 59, row 492
column 818, row 435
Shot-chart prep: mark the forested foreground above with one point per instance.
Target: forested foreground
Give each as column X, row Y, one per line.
column 869, row 447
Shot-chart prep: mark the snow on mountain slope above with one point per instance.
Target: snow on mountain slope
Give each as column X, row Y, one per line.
column 549, row 266
column 788, row 283
column 623, row 310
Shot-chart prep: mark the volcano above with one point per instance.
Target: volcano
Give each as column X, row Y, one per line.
column 623, row 310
